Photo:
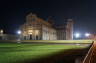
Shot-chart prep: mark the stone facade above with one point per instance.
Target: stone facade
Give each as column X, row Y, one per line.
column 36, row 28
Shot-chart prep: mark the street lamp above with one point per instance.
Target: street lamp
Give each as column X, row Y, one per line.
column 19, row 37
column 77, row 35
column 87, row 34
column 1, row 31
column 19, row 32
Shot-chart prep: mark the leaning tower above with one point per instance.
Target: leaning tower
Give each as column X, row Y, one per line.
column 69, row 29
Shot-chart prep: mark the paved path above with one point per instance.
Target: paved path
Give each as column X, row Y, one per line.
column 91, row 56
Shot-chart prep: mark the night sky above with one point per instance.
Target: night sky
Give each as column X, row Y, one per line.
column 12, row 13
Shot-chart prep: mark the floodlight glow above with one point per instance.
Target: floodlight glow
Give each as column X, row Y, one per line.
column 87, row 34
column 77, row 35
column 19, row 32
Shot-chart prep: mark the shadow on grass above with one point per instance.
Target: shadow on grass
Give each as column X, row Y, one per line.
column 68, row 56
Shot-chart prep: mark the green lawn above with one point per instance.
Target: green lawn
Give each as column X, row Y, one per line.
column 51, row 41
column 18, row 52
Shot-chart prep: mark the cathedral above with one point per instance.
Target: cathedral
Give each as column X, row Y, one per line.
column 36, row 28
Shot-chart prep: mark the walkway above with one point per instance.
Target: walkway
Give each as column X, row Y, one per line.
column 91, row 56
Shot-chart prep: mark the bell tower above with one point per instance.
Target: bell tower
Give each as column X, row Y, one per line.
column 69, row 29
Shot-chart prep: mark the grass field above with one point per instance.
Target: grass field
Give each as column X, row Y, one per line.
column 52, row 41
column 19, row 52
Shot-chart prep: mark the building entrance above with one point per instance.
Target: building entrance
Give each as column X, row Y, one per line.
column 30, row 37
column 36, row 37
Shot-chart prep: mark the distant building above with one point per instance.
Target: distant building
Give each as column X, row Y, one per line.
column 92, row 37
column 36, row 28
column 7, row 36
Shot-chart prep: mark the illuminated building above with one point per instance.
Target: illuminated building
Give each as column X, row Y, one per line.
column 36, row 28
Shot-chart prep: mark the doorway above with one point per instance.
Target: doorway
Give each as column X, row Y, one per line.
column 30, row 37
column 37, row 37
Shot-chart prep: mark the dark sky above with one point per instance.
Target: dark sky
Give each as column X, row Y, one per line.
column 12, row 13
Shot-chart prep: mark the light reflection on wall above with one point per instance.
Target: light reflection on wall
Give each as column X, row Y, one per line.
column 30, row 31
